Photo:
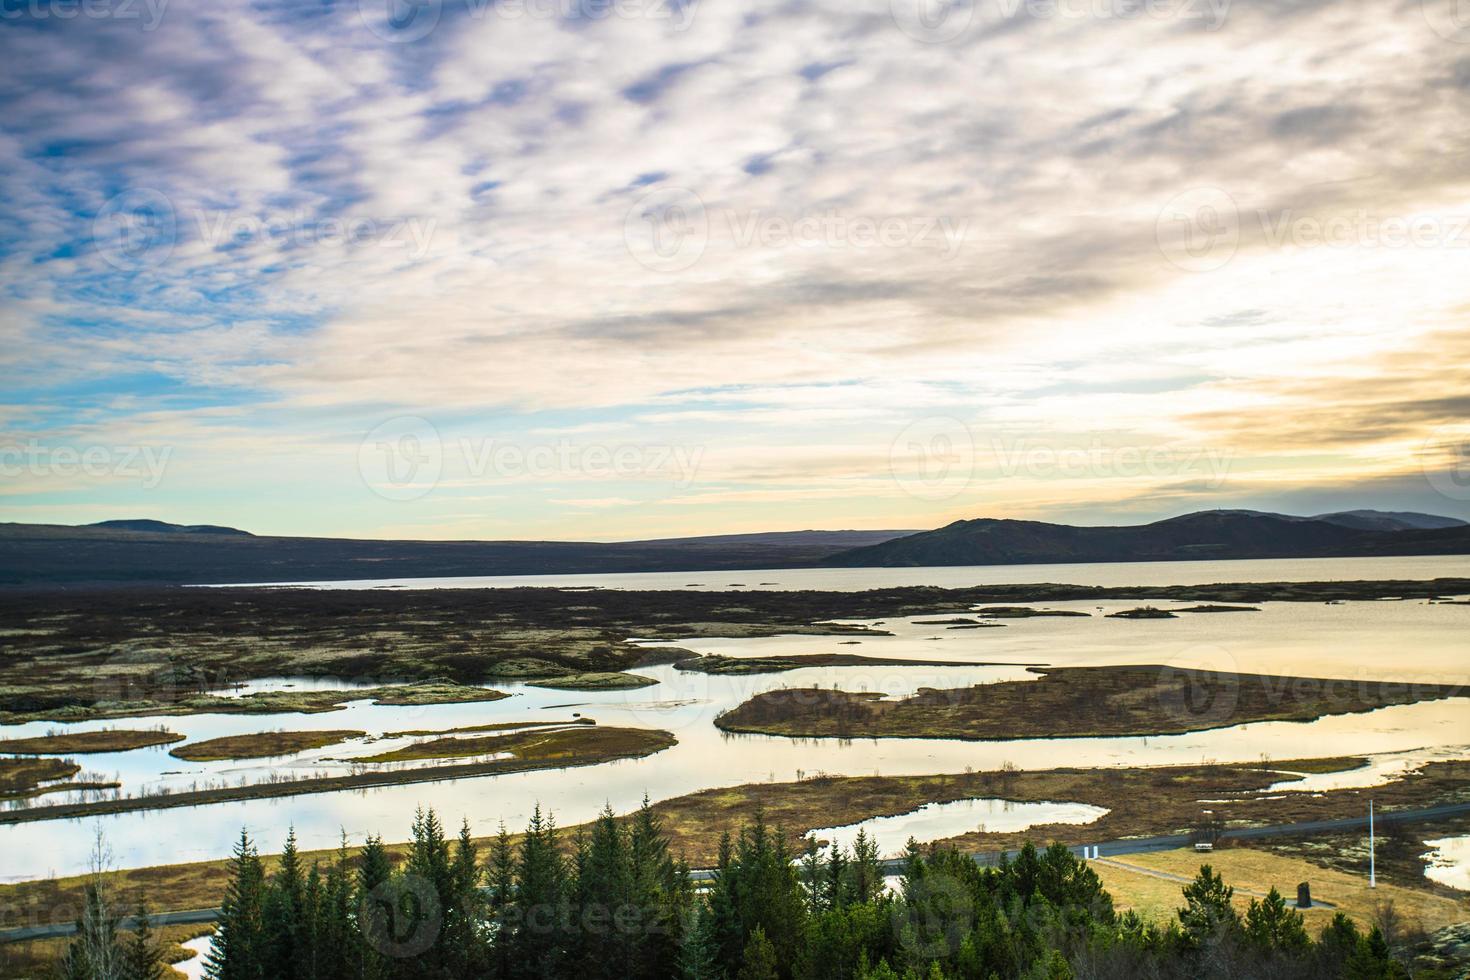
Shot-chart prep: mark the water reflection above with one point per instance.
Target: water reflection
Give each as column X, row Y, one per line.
column 1449, row 862
column 937, row 821
column 958, row 577
column 1382, row 640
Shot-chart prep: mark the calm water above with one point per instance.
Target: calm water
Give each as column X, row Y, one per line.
column 956, row 577
column 1449, row 862
column 1405, row 641
column 937, row 821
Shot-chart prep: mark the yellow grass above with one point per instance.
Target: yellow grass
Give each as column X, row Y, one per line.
column 37, row 958
column 1250, row 870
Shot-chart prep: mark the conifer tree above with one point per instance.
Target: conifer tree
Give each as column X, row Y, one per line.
column 658, row 890
column 698, row 959
column 240, row 945
column 838, row 890
column 866, row 875
column 501, row 894
column 281, row 913
column 537, row 947
column 310, row 931
column 1207, row 915
column 336, row 948
column 724, row 930
column 141, row 957
column 373, row 874
column 1270, row 925
column 465, row 910
column 813, row 874
column 758, row 962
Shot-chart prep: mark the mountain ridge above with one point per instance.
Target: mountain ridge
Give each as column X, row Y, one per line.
column 156, row 552
column 1202, row 535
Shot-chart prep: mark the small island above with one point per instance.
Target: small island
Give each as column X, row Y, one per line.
column 85, row 743
column 609, row 680
column 1215, row 608
column 1072, row 702
column 715, row 664
column 1025, row 612
column 259, row 745
column 1143, row 612
column 543, row 748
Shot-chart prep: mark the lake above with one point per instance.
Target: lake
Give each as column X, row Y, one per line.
column 1407, row 641
column 953, row 577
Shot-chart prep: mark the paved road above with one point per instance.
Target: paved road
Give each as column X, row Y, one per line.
column 1136, row 845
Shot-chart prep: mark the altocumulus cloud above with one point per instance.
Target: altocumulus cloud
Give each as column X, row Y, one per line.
column 312, row 218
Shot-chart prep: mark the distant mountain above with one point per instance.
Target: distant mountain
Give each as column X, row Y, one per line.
column 1222, row 534
column 158, row 552
column 146, row 551
column 1366, row 520
column 1380, row 520
column 163, row 527
column 791, row 539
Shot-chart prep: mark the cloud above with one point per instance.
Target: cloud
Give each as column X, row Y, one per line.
column 885, row 230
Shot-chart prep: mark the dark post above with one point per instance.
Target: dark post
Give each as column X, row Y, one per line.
column 1304, row 896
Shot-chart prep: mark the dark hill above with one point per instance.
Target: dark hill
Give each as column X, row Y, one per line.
column 163, row 527
column 1192, row 537
column 1379, row 520
column 156, row 552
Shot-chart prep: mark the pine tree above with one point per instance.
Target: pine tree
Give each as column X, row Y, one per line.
column 1208, row 915
column 373, row 875
column 141, row 957
column 766, row 890
column 311, row 927
column 502, row 870
column 658, row 891
column 465, row 910
column 604, row 889
column 813, row 875
column 336, row 946
column 839, row 881
column 429, row 857
column 697, row 960
column 724, row 931
column 1270, row 925
column 866, row 874
column 430, row 887
column 240, row 944
column 282, row 914
column 758, row 962
column 537, row 942
column 501, row 875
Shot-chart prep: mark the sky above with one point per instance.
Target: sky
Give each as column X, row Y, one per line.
column 612, row 269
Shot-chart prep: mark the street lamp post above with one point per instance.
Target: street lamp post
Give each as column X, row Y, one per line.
column 1372, row 851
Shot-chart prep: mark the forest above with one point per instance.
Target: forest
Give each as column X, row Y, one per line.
column 613, row 903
